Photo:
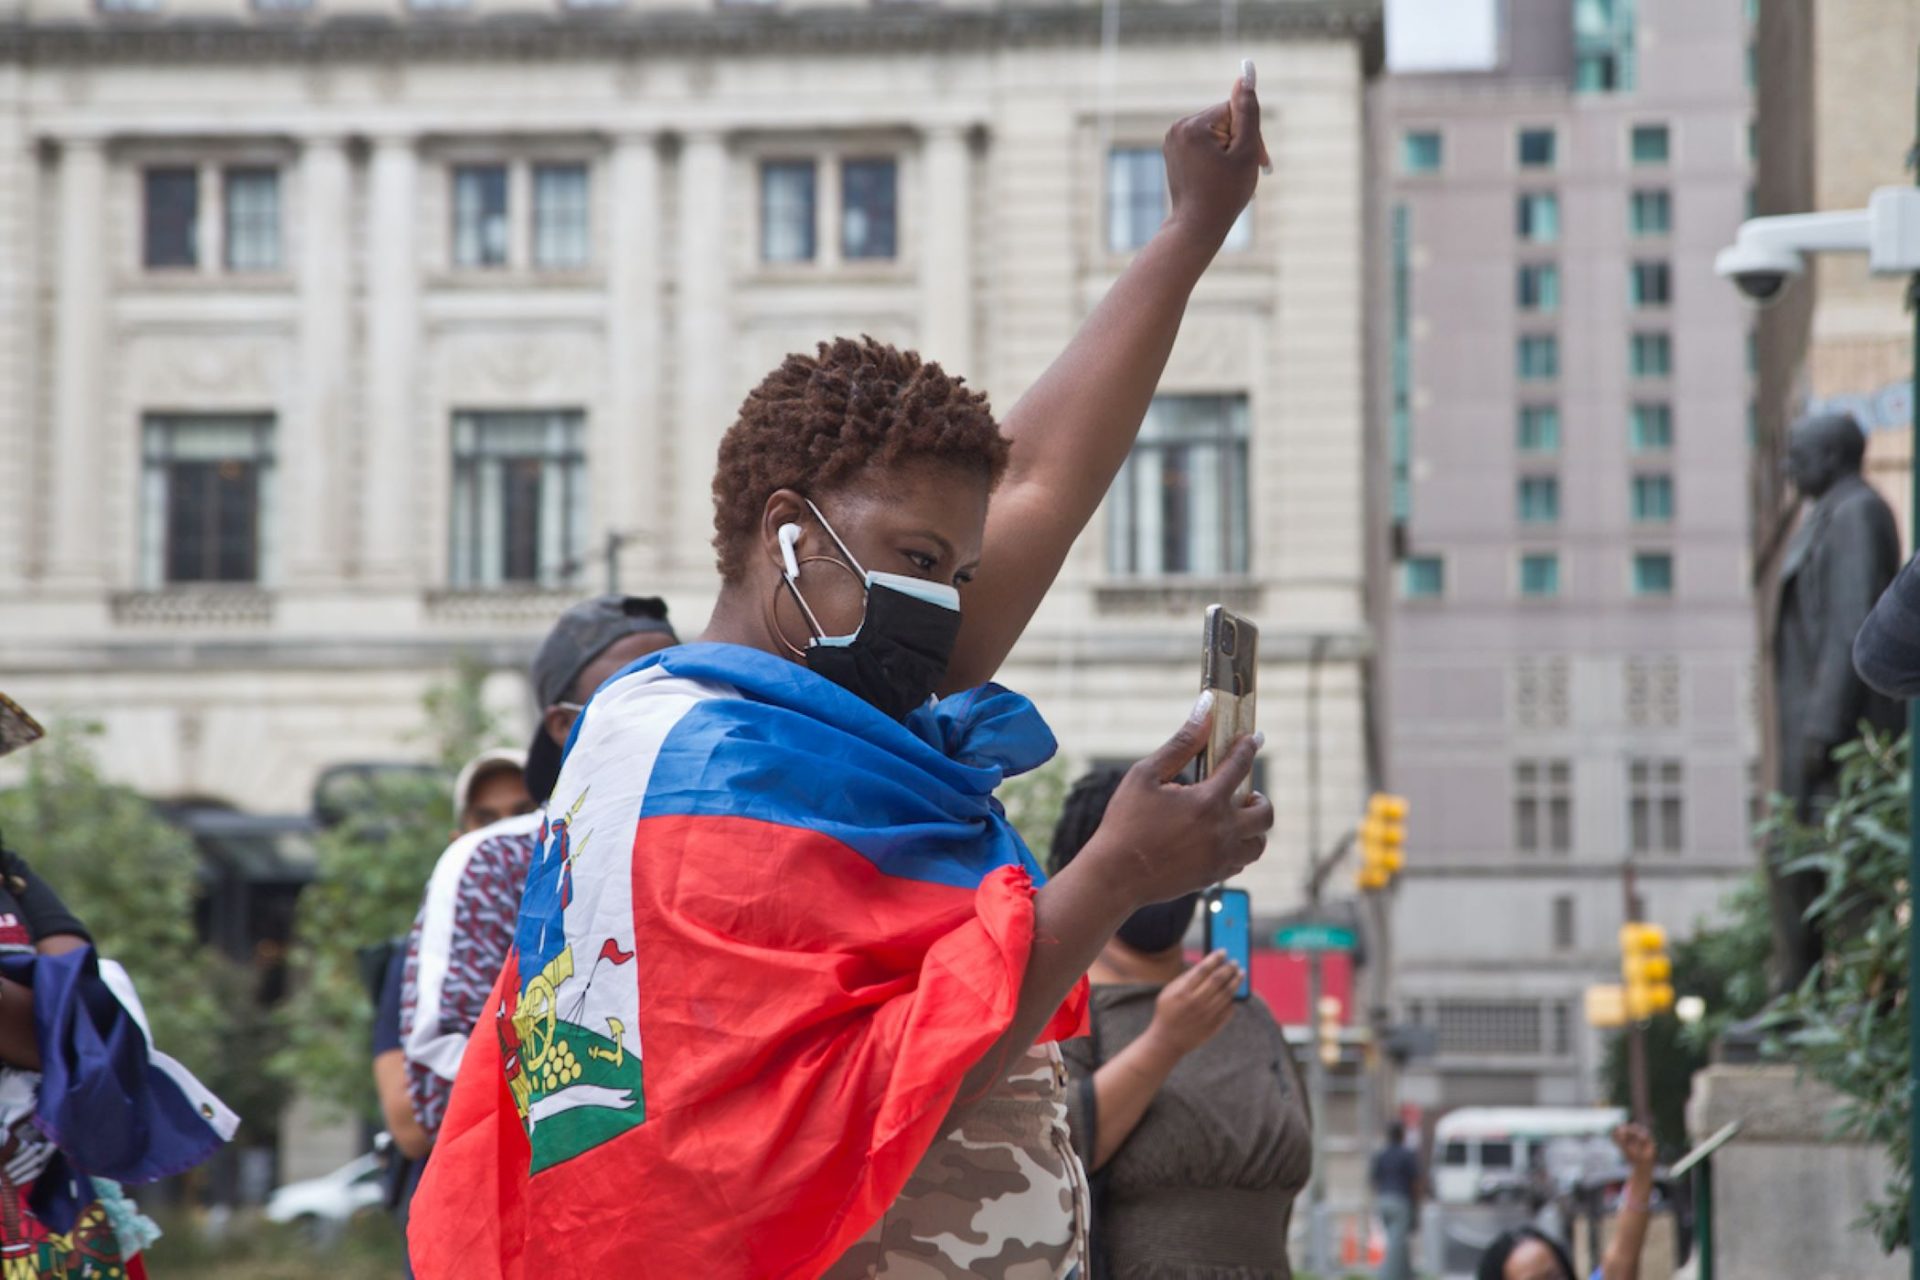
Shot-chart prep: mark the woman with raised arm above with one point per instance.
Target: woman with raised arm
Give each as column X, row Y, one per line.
column 787, row 988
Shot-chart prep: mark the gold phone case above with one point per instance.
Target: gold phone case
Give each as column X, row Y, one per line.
column 1229, row 665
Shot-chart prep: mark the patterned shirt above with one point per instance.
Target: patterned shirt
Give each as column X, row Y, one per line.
column 454, row 953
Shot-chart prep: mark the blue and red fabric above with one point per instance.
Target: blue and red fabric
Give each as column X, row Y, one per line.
column 815, row 919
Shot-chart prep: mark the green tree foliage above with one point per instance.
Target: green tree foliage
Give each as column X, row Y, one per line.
column 132, row 878
column 1033, row 803
column 1848, row 1023
column 373, row 867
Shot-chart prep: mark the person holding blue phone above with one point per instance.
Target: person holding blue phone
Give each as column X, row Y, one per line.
column 1185, row 1104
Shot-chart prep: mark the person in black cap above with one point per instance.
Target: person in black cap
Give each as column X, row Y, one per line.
column 592, row 641
column 465, row 922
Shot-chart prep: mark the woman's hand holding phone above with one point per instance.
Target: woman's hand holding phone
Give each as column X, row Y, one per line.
column 1161, row 839
column 1190, row 1010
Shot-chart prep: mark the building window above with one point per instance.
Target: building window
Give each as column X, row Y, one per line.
column 787, row 219
column 1540, row 575
column 1652, row 144
column 1538, row 217
column 1603, row 46
column 562, row 217
column 1650, row 427
column 171, row 218
column 252, row 201
column 1536, row 148
column 868, row 203
column 1650, row 213
column 1420, row 151
column 480, row 215
column 1537, row 287
column 1650, row 355
column 1563, row 932
column 1543, row 806
column 1537, row 357
column 1539, row 429
column 1180, row 503
column 1423, row 578
column 1136, row 196
column 1488, row 1027
column 1653, row 498
column 1653, row 573
column 1539, row 499
column 1649, row 283
column 207, row 497
column 519, row 498
column 1656, row 806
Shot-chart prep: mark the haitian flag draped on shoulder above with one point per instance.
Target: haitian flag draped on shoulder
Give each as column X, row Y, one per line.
column 813, row 917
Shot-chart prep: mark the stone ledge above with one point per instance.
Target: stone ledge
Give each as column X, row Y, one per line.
column 617, row 33
column 537, row 608
column 194, row 607
column 1773, row 1102
column 1176, row 597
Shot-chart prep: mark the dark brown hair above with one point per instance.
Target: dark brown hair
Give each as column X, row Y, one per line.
column 817, row 421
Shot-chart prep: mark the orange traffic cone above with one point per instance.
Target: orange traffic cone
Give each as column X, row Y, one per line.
column 1349, row 1244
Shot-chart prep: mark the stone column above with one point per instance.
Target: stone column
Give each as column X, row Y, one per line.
column 20, row 274
column 703, row 339
column 946, row 251
column 312, row 446
column 629, row 450
column 76, row 511
column 390, row 497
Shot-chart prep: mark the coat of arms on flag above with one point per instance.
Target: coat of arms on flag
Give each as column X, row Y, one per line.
column 570, row 1031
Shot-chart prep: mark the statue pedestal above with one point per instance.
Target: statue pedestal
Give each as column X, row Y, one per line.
column 1786, row 1194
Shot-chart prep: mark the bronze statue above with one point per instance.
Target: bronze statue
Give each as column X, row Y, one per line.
column 1843, row 554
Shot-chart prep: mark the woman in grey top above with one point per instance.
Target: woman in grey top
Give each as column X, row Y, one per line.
column 1186, row 1106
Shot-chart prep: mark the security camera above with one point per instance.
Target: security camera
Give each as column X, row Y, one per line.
column 1759, row 270
column 1769, row 252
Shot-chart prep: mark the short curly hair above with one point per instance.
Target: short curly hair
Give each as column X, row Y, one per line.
column 819, row 420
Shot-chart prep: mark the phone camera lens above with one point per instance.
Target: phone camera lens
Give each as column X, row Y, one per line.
column 1229, row 639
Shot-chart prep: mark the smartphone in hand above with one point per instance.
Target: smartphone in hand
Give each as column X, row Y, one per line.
column 1229, row 664
column 1228, row 924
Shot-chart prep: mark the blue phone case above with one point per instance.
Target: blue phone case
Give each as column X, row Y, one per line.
column 1229, row 928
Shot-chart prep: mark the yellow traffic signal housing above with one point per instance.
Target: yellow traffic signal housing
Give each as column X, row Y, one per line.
column 1382, row 837
column 1646, row 971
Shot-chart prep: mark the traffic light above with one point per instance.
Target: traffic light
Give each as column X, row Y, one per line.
column 1327, row 1030
column 1645, row 971
column 1382, row 838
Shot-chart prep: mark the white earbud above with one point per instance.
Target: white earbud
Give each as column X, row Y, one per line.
column 789, row 535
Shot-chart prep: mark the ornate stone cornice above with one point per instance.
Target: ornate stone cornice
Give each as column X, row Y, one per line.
column 599, row 34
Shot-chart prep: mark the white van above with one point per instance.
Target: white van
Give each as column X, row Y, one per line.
column 1478, row 1146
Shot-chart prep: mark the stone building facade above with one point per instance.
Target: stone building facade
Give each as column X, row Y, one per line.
column 341, row 338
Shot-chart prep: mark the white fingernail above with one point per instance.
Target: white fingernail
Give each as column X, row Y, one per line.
column 1246, row 72
column 1203, row 707
column 1259, row 740
column 1267, row 168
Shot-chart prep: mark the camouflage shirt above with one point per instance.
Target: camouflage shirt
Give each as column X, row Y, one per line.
column 1003, row 1197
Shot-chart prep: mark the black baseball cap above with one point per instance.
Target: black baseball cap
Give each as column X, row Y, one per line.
column 583, row 633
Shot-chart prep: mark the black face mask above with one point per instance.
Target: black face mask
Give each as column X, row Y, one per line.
column 1160, row 926
column 899, row 653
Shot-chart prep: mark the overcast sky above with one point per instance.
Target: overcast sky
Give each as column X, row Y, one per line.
column 1442, row 35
